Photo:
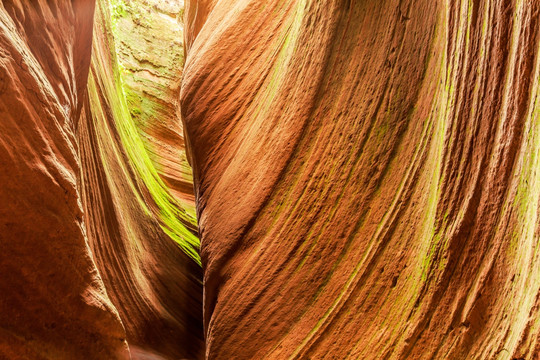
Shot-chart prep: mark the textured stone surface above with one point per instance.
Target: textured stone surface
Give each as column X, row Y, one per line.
column 130, row 213
column 53, row 304
column 366, row 177
column 367, row 182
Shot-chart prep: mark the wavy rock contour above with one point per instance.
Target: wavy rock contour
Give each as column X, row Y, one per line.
column 53, row 304
column 366, row 177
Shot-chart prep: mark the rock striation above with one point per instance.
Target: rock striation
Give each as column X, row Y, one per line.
column 366, row 177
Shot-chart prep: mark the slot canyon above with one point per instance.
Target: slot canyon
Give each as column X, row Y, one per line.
column 269, row 179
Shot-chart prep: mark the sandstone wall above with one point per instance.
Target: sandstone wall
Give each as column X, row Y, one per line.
column 53, row 304
column 366, row 177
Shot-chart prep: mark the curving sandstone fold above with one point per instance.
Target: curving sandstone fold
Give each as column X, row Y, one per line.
column 53, row 304
column 366, row 177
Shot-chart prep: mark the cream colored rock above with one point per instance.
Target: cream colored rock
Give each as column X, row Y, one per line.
column 149, row 42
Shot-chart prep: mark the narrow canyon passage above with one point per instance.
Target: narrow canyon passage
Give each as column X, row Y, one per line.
column 136, row 184
column 269, row 179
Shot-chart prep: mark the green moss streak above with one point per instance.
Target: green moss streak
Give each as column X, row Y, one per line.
column 177, row 221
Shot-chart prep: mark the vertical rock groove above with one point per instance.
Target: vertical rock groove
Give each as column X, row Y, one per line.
column 366, row 176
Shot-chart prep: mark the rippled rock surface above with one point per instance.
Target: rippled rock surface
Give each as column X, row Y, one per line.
column 367, row 177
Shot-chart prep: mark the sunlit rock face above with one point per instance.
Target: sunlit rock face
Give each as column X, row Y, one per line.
column 53, row 304
column 149, row 42
column 367, row 177
column 144, row 241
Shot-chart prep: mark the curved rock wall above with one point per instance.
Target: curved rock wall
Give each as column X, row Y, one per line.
column 144, row 242
column 53, row 304
column 366, row 177
column 95, row 249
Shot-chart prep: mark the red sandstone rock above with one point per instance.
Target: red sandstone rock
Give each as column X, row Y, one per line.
column 71, row 199
column 53, row 304
column 366, row 177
